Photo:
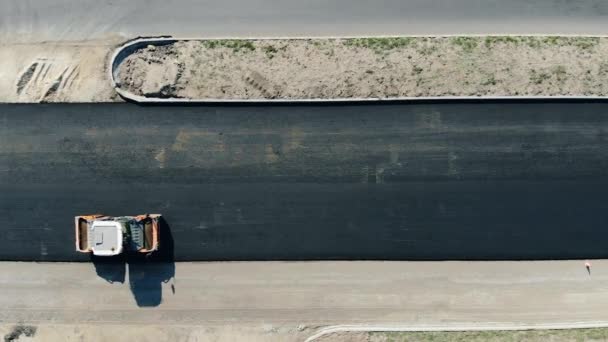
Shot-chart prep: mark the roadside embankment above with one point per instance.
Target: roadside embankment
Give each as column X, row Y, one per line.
column 361, row 68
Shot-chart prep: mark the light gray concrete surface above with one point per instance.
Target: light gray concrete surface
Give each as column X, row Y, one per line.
column 42, row 20
column 309, row 293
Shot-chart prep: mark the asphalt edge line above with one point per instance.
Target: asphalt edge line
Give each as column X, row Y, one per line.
column 447, row 328
column 132, row 45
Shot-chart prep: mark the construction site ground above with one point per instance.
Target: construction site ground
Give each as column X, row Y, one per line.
column 360, row 68
column 289, row 301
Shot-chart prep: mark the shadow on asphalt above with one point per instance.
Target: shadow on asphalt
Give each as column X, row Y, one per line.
column 147, row 273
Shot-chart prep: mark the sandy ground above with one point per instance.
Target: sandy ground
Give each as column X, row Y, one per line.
column 152, row 333
column 269, row 333
column 567, row 335
column 288, row 301
column 369, row 67
column 76, row 71
column 57, row 71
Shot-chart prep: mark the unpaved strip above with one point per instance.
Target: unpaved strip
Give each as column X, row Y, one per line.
column 102, row 332
column 57, row 72
column 565, row 335
column 369, row 68
column 288, row 301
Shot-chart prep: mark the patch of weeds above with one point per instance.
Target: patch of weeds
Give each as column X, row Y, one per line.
column 210, row 44
column 553, row 40
column 236, row 45
column 270, row 51
column 538, row 77
column 416, row 70
column 428, row 49
column 603, row 69
column 468, row 44
column 533, row 42
column 560, row 72
column 491, row 41
column 379, row 44
column 490, row 80
column 586, row 43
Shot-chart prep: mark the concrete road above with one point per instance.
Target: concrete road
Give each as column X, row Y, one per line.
column 311, row 293
column 41, row 20
column 392, row 181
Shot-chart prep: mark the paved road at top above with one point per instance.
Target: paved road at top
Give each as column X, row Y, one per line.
column 36, row 20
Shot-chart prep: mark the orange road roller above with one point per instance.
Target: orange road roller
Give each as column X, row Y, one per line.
column 112, row 235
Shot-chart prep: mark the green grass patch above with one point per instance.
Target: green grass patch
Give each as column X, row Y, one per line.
column 270, row 51
column 236, row 45
column 468, row 44
column 586, row 43
column 533, row 42
column 489, row 42
column 379, row 44
column 553, row 40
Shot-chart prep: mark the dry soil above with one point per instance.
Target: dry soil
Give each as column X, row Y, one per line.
column 369, row 68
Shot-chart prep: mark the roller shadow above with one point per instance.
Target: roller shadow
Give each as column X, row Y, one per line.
column 147, row 273
column 111, row 269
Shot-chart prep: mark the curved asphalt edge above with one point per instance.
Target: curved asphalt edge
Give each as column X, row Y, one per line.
column 453, row 328
column 130, row 46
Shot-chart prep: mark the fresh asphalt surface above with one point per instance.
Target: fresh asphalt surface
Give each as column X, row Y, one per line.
column 384, row 181
column 63, row 20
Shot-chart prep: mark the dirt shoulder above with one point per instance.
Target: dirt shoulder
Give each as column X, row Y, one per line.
column 565, row 335
column 57, row 71
column 116, row 331
column 369, row 68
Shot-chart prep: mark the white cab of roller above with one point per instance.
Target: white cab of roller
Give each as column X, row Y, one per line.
column 106, row 238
